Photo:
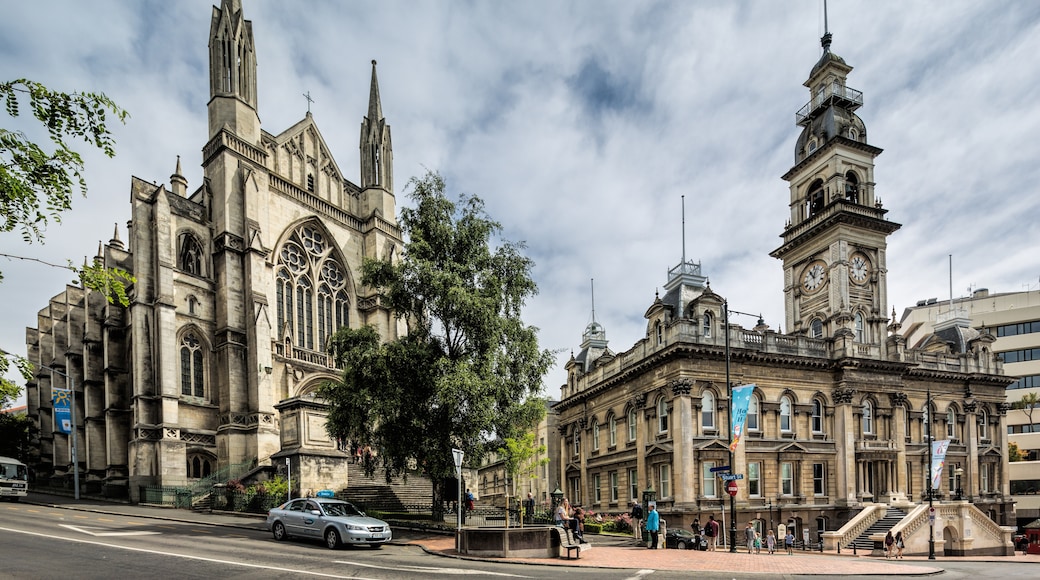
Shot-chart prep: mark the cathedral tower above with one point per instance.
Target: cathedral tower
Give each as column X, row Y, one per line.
column 377, row 158
column 232, row 73
column 834, row 243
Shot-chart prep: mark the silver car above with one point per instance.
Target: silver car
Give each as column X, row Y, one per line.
column 335, row 521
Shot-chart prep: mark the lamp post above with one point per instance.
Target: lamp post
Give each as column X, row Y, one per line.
column 729, row 429
column 72, row 413
column 931, row 509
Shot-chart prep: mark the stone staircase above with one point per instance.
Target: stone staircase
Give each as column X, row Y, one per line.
column 375, row 492
column 892, row 517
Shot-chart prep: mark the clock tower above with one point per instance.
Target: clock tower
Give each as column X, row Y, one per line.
column 834, row 242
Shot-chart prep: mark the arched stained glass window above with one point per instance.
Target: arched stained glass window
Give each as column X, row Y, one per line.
column 193, row 372
column 311, row 287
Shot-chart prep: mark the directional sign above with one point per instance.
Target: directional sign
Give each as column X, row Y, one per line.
column 732, row 476
column 720, row 468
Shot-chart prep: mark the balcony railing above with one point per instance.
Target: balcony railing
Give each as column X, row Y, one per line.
column 834, row 92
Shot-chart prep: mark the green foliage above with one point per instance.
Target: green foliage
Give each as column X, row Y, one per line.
column 9, row 390
column 16, row 435
column 620, row 524
column 1014, row 453
column 592, row 527
column 520, row 454
column 469, row 369
column 111, row 282
column 36, row 185
column 1029, row 402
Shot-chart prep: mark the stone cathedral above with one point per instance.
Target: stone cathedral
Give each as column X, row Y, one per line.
column 836, row 436
column 241, row 280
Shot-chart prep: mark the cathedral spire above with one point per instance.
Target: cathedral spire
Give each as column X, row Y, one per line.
column 375, row 108
column 232, row 73
column 177, row 181
column 377, row 167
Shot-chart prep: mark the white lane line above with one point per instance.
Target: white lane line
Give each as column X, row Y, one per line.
column 199, row 558
column 84, row 530
column 429, row 569
column 640, row 574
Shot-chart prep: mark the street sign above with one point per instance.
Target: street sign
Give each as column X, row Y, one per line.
column 719, row 468
column 732, row 476
column 731, row 487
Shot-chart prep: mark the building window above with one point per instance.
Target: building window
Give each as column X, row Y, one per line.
column 1017, row 328
column 818, row 481
column 909, row 479
column 632, row 424
column 754, row 483
column 193, row 371
column 851, row 181
column 816, row 328
column 707, row 479
column 751, row 421
column 868, row 418
column 199, row 466
column 662, row 415
column 817, row 416
column 633, row 483
column 613, row 487
column 659, row 332
column 191, row 255
column 860, row 336
column 575, row 491
column 785, row 414
column 596, row 489
column 304, row 261
column 706, row 329
column 613, row 430
column 708, row 411
column 787, row 478
column 664, row 472
column 951, row 423
column 984, row 476
column 595, row 435
column 577, row 442
column 983, row 425
column 310, row 183
column 815, row 200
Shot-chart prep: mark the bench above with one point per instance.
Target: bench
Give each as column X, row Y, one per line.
column 569, row 542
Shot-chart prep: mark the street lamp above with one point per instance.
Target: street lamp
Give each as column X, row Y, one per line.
column 729, row 429
column 931, row 509
column 72, row 413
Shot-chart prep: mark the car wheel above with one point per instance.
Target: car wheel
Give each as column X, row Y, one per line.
column 332, row 539
column 278, row 531
column 376, row 546
column 681, row 546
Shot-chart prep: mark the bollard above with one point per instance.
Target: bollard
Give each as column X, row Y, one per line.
column 853, row 549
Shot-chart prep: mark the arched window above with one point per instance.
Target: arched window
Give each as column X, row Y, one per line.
column 595, row 435
column 310, row 182
column 851, row 188
column 785, row 413
column 632, row 424
column 612, row 423
column 817, row 416
column 706, row 330
column 860, row 334
column 951, row 423
column 815, row 198
column 816, row 328
column 662, row 415
column 192, row 368
column 659, row 332
column 199, row 466
column 751, row 421
column 306, row 261
column 983, row 424
column 708, row 411
column 868, row 418
column 190, row 255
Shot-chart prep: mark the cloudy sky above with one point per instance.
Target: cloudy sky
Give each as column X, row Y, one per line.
column 582, row 124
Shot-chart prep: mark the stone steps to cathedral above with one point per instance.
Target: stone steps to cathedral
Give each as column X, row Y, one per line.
column 892, row 517
column 375, row 492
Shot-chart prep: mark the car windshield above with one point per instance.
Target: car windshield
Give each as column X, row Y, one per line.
column 341, row 509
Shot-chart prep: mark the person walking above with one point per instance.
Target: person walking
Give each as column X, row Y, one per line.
column 749, row 537
column 899, row 545
column 637, row 519
column 789, row 542
column 653, row 525
column 889, row 543
column 770, row 542
column 711, row 530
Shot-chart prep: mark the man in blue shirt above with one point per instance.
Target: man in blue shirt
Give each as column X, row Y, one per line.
column 653, row 525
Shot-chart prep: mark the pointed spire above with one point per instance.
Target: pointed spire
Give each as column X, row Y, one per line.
column 177, row 181
column 232, row 6
column 825, row 41
column 375, row 108
column 115, row 242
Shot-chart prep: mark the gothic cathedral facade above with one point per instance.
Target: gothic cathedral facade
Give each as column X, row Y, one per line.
column 240, row 283
column 841, row 411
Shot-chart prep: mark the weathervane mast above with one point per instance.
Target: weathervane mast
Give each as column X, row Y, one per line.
column 592, row 284
column 684, row 231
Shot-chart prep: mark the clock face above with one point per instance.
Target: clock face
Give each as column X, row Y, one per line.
column 814, row 277
column 859, row 268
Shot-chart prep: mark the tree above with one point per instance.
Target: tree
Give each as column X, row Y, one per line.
column 1014, row 453
column 468, row 371
column 521, row 456
column 16, row 435
column 1029, row 402
column 36, row 185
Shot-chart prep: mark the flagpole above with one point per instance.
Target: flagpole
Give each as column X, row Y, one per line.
column 931, row 510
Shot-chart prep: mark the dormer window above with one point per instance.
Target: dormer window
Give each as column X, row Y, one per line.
column 706, row 331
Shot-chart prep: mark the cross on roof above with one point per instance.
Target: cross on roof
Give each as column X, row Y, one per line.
column 307, row 96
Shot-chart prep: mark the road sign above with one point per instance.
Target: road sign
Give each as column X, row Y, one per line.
column 731, row 487
column 719, row 468
column 732, row 476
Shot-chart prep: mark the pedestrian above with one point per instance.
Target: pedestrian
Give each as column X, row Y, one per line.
column 758, row 543
column 889, row 543
column 529, row 508
column 770, row 542
column 578, row 524
column 637, row 518
column 471, row 502
column 711, row 530
column 749, row 537
column 653, row 523
column 899, row 544
column 789, row 542
column 696, row 528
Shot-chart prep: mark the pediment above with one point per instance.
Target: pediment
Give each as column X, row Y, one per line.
column 712, row 445
column 659, row 448
column 793, row 447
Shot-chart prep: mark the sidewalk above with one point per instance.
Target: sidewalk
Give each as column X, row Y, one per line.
column 606, row 551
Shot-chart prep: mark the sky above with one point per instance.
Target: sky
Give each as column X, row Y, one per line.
column 584, row 126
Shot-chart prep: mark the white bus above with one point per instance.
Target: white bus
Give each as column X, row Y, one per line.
column 14, row 479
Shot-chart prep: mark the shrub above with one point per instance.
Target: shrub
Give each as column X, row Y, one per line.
column 592, row 527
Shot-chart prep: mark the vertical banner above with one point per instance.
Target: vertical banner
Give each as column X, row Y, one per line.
column 62, row 399
column 938, row 460
column 741, row 400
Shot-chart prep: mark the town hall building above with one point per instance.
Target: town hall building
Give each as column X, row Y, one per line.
column 241, row 280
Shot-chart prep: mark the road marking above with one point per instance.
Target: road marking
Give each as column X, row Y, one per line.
column 198, row 531
column 640, row 574
column 81, row 517
column 105, row 520
column 294, row 571
column 429, row 569
column 98, row 534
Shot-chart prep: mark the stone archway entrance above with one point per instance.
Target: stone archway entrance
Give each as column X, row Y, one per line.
column 951, row 542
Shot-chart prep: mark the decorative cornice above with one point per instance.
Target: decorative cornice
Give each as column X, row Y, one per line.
column 897, row 399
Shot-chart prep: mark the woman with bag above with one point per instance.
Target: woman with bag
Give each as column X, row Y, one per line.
column 899, row 544
column 889, row 543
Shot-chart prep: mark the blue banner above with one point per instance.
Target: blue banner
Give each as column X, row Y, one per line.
column 741, row 401
column 938, row 460
column 62, row 399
